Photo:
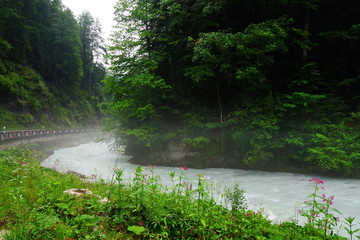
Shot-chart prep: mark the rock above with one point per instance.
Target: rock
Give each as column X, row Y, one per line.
column 3, row 233
column 78, row 192
column 81, row 192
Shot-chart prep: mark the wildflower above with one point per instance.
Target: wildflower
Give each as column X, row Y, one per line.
column 185, row 168
column 22, row 162
column 166, row 227
column 323, row 195
column 332, row 197
column 322, row 188
column 155, row 166
column 248, row 214
column 280, row 224
column 331, row 202
column 299, row 211
column 190, row 231
column 305, row 201
column 338, row 219
column 233, row 218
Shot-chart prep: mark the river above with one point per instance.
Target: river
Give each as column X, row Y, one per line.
column 280, row 194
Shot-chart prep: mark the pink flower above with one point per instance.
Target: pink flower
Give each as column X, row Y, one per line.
column 322, row 188
column 248, row 214
column 280, row 224
column 155, row 166
column 299, row 211
column 305, row 201
column 233, row 218
column 190, row 231
column 331, row 202
column 185, row 168
column 22, row 162
column 165, row 227
column 320, row 181
column 323, row 195
column 332, row 197
column 338, row 219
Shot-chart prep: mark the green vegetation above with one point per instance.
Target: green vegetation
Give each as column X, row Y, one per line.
column 269, row 84
column 33, row 205
column 50, row 66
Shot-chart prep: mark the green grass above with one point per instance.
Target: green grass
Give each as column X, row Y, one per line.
column 34, row 206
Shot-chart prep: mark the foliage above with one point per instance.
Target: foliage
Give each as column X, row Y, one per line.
column 41, row 66
column 320, row 211
column 252, row 81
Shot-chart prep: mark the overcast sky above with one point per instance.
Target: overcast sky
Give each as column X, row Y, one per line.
column 101, row 9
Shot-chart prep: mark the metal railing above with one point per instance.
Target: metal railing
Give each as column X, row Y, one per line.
column 17, row 134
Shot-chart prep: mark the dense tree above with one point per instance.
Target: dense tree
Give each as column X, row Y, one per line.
column 266, row 82
column 41, row 66
column 92, row 50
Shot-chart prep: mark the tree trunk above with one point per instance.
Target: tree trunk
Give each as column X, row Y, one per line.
column 306, row 36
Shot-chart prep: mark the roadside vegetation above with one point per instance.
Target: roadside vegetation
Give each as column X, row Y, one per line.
column 33, row 205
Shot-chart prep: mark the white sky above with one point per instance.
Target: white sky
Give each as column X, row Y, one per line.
column 101, row 9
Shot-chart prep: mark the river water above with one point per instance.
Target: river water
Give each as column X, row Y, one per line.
column 280, row 194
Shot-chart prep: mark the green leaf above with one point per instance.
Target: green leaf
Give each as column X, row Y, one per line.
column 136, row 229
column 203, row 223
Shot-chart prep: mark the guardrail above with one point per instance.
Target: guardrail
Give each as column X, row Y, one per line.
column 17, row 134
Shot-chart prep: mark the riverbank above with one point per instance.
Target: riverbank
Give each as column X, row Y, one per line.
column 140, row 209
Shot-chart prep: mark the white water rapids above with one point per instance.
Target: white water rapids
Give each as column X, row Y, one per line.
column 280, row 194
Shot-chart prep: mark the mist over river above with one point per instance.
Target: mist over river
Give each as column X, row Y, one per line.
column 280, row 194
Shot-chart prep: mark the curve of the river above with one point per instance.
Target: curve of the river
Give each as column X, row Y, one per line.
column 281, row 194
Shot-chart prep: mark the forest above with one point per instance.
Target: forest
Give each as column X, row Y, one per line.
column 266, row 83
column 263, row 84
column 51, row 66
